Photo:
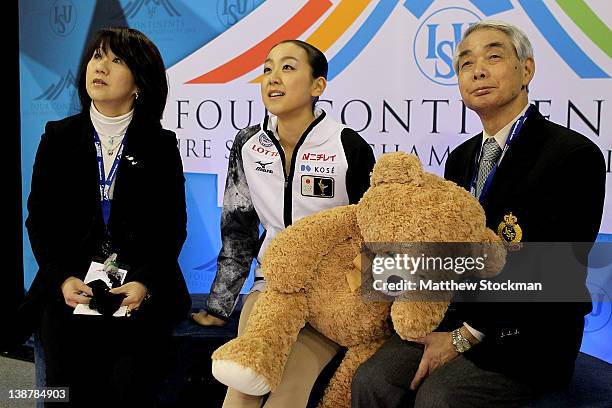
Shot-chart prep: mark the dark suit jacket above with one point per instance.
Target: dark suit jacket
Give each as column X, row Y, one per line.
column 147, row 221
column 553, row 180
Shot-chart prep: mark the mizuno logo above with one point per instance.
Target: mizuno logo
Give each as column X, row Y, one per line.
column 262, row 167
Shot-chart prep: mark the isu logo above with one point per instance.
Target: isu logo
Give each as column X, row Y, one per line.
column 436, row 40
column 232, row 11
column 62, row 17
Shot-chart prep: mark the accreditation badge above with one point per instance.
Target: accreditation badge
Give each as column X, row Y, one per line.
column 509, row 230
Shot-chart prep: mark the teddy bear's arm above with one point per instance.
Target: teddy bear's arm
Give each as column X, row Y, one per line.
column 338, row 392
column 413, row 320
column 292, row 257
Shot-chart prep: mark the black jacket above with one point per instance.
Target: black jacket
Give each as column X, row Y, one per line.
column 147, row 221
column 553, row 180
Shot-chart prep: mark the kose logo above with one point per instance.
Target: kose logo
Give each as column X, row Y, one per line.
column 435, row 42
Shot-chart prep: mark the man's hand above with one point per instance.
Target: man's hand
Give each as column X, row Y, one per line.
column 134, row 294
column 204, row 319
column 73, row 289
column 439, row 350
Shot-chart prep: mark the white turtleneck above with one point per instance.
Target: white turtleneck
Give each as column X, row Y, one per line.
column 111, row 131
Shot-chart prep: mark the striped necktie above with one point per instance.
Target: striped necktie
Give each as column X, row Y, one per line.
column 490, row 154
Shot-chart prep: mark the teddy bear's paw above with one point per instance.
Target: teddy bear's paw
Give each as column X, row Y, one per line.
column 412, row 335
column 239, row 377
column 413, row 320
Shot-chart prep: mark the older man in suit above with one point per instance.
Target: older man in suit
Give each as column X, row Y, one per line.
column 537, row 182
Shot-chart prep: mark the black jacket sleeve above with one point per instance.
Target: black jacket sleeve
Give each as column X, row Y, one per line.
column 360, row 160
column 43, row 223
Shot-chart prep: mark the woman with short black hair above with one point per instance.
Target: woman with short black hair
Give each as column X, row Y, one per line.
column 108, row 184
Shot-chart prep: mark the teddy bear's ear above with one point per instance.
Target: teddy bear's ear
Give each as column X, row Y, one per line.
column 399, row 167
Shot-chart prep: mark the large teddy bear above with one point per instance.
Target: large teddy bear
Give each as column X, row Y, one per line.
column 310, row 272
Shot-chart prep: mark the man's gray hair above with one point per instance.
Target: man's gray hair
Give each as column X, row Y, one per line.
column 517, row 37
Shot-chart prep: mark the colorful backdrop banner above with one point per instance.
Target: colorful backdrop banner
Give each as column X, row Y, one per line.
column 390, row 78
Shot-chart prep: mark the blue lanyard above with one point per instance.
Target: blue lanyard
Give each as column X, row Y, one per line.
column 514, row 131
column 103, row 182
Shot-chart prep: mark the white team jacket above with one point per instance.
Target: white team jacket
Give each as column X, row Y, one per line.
column 330, row 167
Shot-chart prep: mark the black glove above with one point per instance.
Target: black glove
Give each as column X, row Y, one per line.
column 104, row 302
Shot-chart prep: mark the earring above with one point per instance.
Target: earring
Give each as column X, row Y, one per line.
column 136, row 95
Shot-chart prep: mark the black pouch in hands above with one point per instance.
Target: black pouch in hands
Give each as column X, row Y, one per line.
column 103, row 301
